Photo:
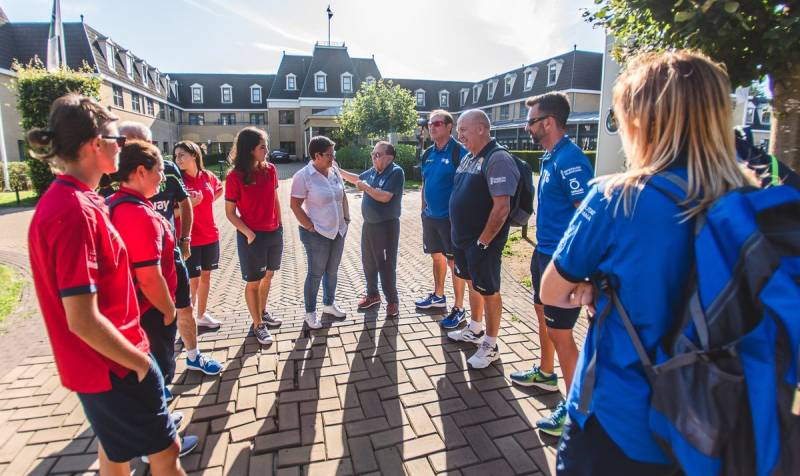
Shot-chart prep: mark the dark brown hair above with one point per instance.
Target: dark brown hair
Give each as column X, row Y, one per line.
column 241, row 155
column 318, row 145
column 134, row 154
column 388, row 148
column 193, row 150
column 553, row 104
column 74, row 119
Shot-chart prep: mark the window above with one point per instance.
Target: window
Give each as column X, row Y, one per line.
column 347, row 83
column 151, row 111
column 476, row 93
column 553, row 69
column 227, row 119
column 488, row 112
column 420, row 95
column 765, row 114
column 145, row 79
column 136, row 102
column 257, row 118
column 165, row 150
column 523, row 110
column 119, row 98
column 751, row 112
column 504, row 112
column 197, row 94
column 320, row 82
column 196, row 118
column 289, row 148
column 171, row 114
column 162, row 111
column 129, row 65
column 157, row 80
column 255, row 94
column 110, row 55
column 226, row 93
column 464, row 96
column 530, row 77
column 285, row 117
column 491, row 86
column 291, row 82
column 444, row 98
column 370, row 80
column 508, row 84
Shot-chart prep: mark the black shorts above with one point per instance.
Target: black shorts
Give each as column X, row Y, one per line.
column 162, row 341
column 264, row 253
column 203, row 258
column 555, row 317
column 183, row 295
column 436, row 236
column 131, row 419
column 482, row 267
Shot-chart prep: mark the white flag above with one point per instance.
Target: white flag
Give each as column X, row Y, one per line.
column 56, row 51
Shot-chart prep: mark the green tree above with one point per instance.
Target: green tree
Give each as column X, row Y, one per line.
column 753, row 38
column 379, row 109
column 36, row 90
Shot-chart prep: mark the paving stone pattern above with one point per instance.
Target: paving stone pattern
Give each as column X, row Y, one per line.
column 363, row 395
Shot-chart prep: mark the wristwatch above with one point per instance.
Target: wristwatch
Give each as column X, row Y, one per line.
column 483, row 246
column 185, row 239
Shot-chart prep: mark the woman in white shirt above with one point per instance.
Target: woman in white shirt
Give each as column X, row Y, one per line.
column 320, row 205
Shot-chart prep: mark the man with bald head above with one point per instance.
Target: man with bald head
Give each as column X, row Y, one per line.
column 484, row 184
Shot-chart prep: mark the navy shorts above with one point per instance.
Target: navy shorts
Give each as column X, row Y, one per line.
column 482, row 267
column 555, row 317
column 162, row 341
column 183, row 295
column 203, row 258
column 436, row 236
column 131, row 419
column 264, row 253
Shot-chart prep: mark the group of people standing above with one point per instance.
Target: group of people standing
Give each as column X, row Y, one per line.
column 132, row 275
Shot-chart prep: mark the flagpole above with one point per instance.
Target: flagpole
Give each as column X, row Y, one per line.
column 330, row 15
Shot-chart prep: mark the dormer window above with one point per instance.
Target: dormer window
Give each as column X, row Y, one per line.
column 110, row 54
column 476, row 93
column 320, row 82
column 491, row 86
column 464, row 95
column 144, row 74
column 291, row 82
column 420, row 95
column 129, row 65
column 347, row 83
column 157, row 80
column 444, row 98
column 226, row 91
column 255, row 94
column 370, row 80
column 197, row 94
column 751, row 113
column 530, row 77
column 508, row 84
column 765, row 114
column 553, row 70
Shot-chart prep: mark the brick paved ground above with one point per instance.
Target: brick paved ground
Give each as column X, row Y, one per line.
column 361, row 395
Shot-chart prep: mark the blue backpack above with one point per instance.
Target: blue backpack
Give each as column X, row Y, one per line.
column 725, row 381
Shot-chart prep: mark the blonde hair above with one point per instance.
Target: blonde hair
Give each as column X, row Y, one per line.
column 671, row 105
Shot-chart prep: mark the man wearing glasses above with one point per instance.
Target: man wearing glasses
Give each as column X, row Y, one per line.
column 565, row 174
column 439, row 164
column 383, row 190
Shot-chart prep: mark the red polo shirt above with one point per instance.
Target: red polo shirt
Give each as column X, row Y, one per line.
column 75, row 250
column 147, row 236
column 204, row 230
column 255, row 201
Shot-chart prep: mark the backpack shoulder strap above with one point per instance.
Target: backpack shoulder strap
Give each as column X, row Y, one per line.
column 426, row 153
column 455, row 156
column 671, row 185
column 112, row 204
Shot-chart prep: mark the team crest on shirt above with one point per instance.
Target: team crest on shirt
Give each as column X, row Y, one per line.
column 480, row 163
column 91, row 258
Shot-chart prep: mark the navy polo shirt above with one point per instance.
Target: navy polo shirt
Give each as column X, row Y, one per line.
column 477, row 180
column 390, row 180
column 438, row 172
column 648, row 254
column 170, row 192
column 564, row 180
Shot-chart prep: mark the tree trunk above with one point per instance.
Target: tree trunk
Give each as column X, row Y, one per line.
column 785, row 133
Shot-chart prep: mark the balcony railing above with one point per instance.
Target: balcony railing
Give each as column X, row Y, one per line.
column 330, row 44
column 224, row 123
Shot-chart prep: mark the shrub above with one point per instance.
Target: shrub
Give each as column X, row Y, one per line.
column 407, row 159
column 18, row 176
column 354, row 157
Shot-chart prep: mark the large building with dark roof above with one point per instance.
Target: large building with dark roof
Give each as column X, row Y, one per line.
column 303, row 98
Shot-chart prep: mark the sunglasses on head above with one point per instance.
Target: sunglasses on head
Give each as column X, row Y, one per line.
column 534, row 120
column 120, row 140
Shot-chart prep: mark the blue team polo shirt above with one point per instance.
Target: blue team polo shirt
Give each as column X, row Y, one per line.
column 438, row 171
column 648, row 254
column 564, row 180
column 390, row 180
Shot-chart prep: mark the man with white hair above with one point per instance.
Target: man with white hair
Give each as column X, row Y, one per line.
column 484, row 184
column 172, row 193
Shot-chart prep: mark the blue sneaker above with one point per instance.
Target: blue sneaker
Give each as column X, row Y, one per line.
column 454, row 319
column 554, row 424
column 536, row 378
column 204, row 364
column 432, row 301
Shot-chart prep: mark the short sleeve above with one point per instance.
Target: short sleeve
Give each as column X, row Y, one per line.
column 233, row 190
column 575, row 175
column 273, row 173
column 394, row 184
column 76, row 260
column 216, row 185
column 141, row 235
column 364, row 175
column 502, row 175
column 299, row 188
column 587, row 239
column 173, row 176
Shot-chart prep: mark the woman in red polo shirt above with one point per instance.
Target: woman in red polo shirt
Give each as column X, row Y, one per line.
column 204, row 188
column 251, row 189
column 85, row 289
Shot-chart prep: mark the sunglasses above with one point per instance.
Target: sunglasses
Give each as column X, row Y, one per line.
column 119, row 139
column 437, row 123
column 534, row 120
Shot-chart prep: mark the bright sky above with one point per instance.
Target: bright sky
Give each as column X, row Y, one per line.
column 436, row 39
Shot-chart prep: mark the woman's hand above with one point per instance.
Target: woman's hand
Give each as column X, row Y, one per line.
column 196, row 197
column 583, row 295
column 251, row 237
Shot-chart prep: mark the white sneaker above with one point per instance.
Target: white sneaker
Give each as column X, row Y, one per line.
column 334, row 311
column 262, row 334
column 484, row 356
column 206, row 320
column 466, row 335
column 312, row 320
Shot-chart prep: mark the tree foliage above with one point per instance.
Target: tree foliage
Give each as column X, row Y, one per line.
column 36, row 90
column 379, row 109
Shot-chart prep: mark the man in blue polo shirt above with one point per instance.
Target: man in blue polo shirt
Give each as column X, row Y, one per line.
column 439, row 164
column 563, row 183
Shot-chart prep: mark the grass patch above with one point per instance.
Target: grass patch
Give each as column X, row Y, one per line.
column 512, row 238
column 514, row 318
column 413, row 185
column 10, row 289
column 9, row 199
column 526, row 281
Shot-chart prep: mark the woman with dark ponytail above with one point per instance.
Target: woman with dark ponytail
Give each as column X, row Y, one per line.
column 252, row 189
column 83, row 281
